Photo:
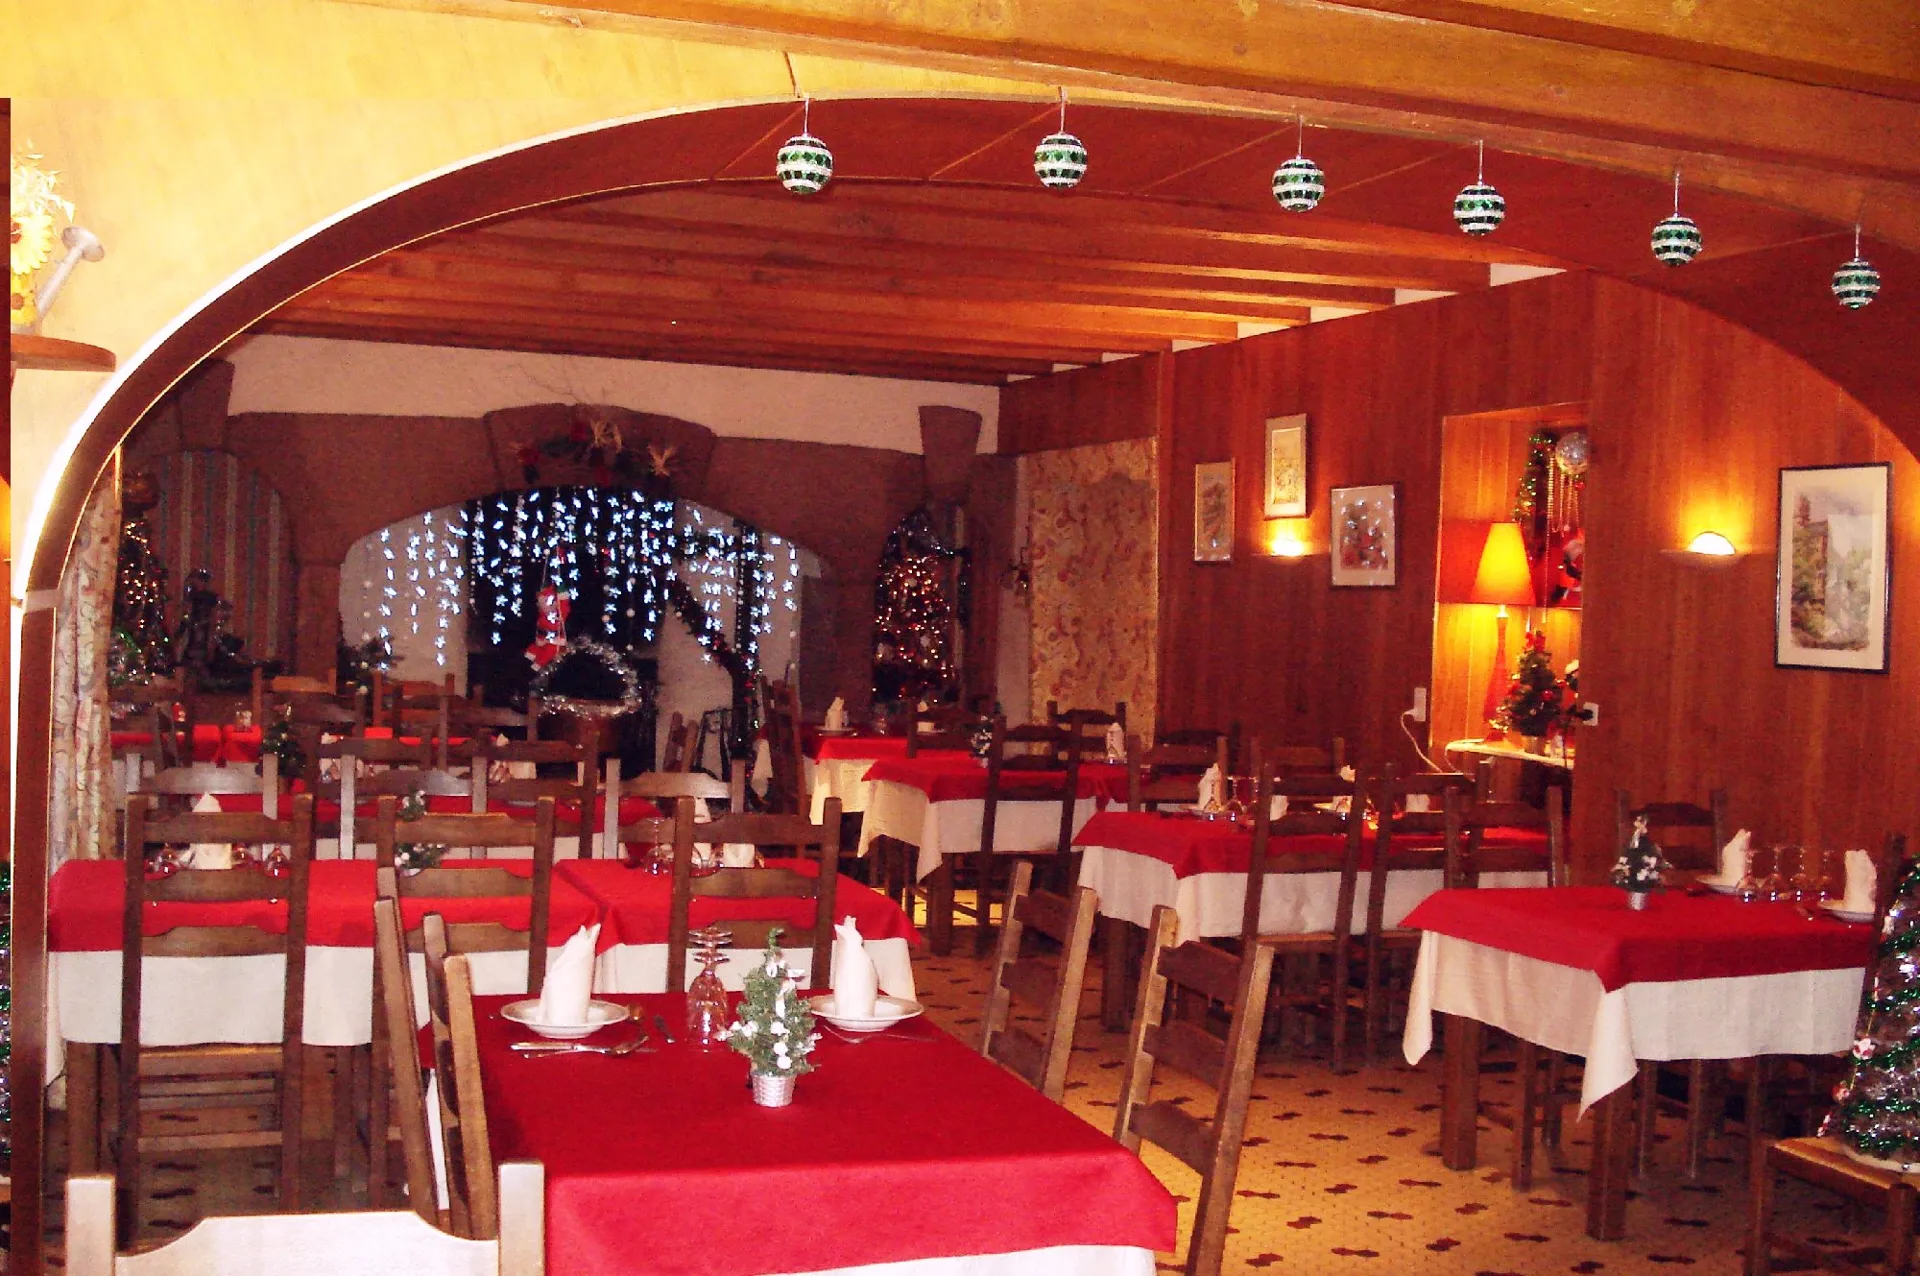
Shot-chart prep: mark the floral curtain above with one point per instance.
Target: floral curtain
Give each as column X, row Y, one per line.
column 1092, row 522
column 81, row 823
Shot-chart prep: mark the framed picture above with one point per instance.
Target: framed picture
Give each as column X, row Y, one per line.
column 1365, row 536
column 1213, row 512
column 1286, row 488
column 1833, row 575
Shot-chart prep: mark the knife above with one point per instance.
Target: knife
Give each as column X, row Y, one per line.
column 660, row 1022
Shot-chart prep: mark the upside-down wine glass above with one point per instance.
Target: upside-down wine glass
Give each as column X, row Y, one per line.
column 708, row 1014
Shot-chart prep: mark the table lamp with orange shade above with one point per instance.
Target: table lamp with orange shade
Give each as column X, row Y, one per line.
column 1505, row 579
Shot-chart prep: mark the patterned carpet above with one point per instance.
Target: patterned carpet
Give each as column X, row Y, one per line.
column 1333, row 1179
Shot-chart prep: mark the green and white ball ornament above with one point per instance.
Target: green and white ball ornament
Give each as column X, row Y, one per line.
column 1479, row 209
column 804, row 165
column 1856, row 283
column 1676, row 240
column 1060, row 161
column 1298, row 185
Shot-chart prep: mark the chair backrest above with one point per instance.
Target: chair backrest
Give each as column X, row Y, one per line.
column 1052, row 989
column 578, row 788
column 393, row 983
column 674, row 754
column 785, row 834
column 421, row 704
column 1469, row 854
column 482, row 831
column 1090, row 724
column 1032, row 763
column 663, row 786
column 1262, row 757
column 316, row 1244
column 469, row 717
column 1303, row 820
column 786, row 783
column 283, row 684
column 1170, row 772
column 1205, row 736
column 466, row 1155
column 1208, row 1144
column 1689, row 835
column 941, row 726
column 217, row 778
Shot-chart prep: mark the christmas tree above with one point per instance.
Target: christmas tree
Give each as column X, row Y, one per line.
column 142, row 647
column 1535, row 698
column 775, row 1026
column 1876, row 1113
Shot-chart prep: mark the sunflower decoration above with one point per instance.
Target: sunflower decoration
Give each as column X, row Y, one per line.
column 30, row 232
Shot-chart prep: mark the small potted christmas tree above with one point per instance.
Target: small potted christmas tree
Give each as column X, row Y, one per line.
column 774, row 1028
column 1874, row 1116
column 1535, row 699
column 1640, row 866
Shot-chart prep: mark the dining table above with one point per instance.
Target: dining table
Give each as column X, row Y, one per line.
column 212, row 742
column 903, row 1154
column 837, row 763
column 1695, row 975
column 1137, row 861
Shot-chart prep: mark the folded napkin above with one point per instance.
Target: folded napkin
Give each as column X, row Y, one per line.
column 208, row 854
column 569, row 986
column 1860, row 883
column 1418, row 803
column 836, row 715
column 1277, row 809
column 855, row 982
column 1116, row 742
column 1211, row 785
column 1346, row 773
column 738, row 855
column 1735, row 857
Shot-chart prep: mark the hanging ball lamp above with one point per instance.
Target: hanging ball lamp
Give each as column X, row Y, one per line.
column 1676, row 240
column 804, row 164
column 1856, row 283
column 1479, row 209
column 1298, row 184
column 1060, row 161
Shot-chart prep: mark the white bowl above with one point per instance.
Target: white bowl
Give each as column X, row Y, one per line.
column 599, row 1015
column 887, row 1011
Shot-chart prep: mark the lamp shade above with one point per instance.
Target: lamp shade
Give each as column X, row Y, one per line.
column 1505, row 575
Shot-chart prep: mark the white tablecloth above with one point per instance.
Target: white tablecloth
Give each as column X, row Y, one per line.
column 843, row 778
column 1131, row 886
column 1564, row 1008
column 940, row 829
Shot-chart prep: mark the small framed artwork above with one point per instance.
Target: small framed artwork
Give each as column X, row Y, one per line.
column 1365, row 535
column 1286, row 487
column 1833, row 576
column 1213, row 512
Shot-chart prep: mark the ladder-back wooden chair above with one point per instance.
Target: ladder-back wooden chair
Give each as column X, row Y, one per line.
column 662, row 788
column 1210, row 1145
column 1051, row 989
column 394, row 1011
column 1089, row 724
column 1034, row 764
column 772, row 836
column 942, row 726
column 1204, row 736
column 470, row 719
column 492, row 756
column 1689, row 835
column 674, row 754
column 473, row 1207
column 787, row 766
column 207, row 1079
column 1169, row 773
column 1285, row 759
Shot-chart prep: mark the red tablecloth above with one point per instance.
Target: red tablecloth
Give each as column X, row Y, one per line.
column 634, row 904
column 1193, row 845
column 855, row 747
column 211, row 743
column 960, row 777
column 86, row 897
column 660, row 1164
column 1677, row 937
column 566, row 815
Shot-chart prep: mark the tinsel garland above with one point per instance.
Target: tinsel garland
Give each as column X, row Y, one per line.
column 1533, row 479
column 631, row 696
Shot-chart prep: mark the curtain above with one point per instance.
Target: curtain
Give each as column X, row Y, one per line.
column 81, row 824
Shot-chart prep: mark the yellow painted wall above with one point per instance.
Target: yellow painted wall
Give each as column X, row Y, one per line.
column 197, row 135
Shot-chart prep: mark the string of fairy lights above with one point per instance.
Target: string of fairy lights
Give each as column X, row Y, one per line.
column 804, row 165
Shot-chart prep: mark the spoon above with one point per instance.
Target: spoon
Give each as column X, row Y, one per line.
column 542, row 1049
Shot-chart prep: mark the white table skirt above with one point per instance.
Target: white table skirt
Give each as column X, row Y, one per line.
column 1130, row 886
column 843, row 778
column 192, row 1000
column 939, row 829
column 1062, row 1260
column 1564, row 1008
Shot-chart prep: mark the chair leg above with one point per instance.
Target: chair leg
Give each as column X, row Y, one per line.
column 1759, row 1212
column 939, row 895
column 1900, row 1200
column 1526, row 1114
column 379, row 1116
column 1649, row 1102
column 983, row 903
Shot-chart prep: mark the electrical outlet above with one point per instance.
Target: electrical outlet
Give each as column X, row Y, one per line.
column 1590, row 713
column 1419, row 711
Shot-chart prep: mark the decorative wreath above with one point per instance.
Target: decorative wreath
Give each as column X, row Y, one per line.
column 590, row 680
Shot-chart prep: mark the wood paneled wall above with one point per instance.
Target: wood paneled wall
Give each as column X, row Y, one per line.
column 1692, row 419
column 1102, row 404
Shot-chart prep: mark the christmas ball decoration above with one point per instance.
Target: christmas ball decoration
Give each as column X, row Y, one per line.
column 1570, row 453
column 1479, row 209
column 804, row 164
column 1856, row 283
column 1298, row 185
column 1676, row 240
column 1060, row 161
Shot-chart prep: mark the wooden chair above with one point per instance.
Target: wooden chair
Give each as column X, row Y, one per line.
column 1205, row 736
column 393, row 1006
column 675, row 755
column 150, row 707
column 287, row 684
column 181, row 784
column 1170, row 773
column 313, row 716
column 787, row 835
column 579, row 790
column 1288, row 758
column 354, row 781
column 659, row 786
column 473, row 1207
column 316, row 1244
column 418, row 705
column 1209, row 1145
column 208, row 1079
column 1052, row 988
column 787, row 780
column 942, row 726
column 1089, row 724
column 471, row 718
column 1026, row 764
column 1820, row 1161
column 1678, row 828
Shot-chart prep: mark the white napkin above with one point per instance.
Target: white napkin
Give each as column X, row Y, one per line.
column 1277, row 808
column 208, row 854
column 737, row 855
column 1346, row 773
column 569, row 986
column 836, row 715
column 1210, row 786
column 1860, row 883
column 1418, row 803
column 855, row 982
column 1735, row 857
column 1116, row 742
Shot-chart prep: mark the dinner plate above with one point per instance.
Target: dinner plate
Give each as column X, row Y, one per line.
column 887, row 1011
column 1846, row 914
column 836, row 730
column 1717, row 886
column 599, row 1015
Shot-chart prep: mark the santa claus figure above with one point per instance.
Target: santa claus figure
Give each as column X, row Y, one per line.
column 550, row 608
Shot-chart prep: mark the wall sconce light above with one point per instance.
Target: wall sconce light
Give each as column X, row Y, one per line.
column 1286, row 539
column 1709, row 550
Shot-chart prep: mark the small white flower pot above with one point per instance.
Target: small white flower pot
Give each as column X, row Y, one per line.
column 1636, row 900
column 774, row 1091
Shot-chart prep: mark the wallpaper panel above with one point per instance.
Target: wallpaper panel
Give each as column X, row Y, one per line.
column 216, row 512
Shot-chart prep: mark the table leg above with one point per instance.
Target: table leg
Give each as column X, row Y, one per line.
column 939, row 888
column 1613, row 1146
column 1116, row 937
column 83, row 1107
column 1460, row 1101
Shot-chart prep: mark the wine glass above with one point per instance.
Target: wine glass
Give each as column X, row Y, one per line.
column 708, row 1014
